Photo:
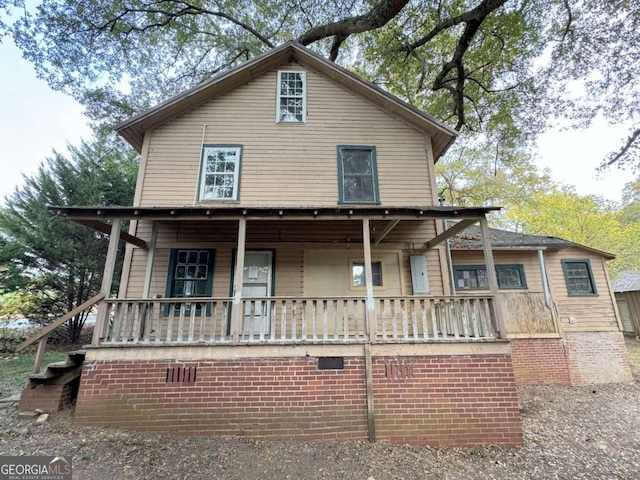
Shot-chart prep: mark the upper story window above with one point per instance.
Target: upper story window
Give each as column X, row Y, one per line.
column 291, row 101
column 357, row 175
column 579, row 277
column 474, row 277
column 220, row 172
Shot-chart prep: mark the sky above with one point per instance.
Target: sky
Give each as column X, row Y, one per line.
column 34, row 120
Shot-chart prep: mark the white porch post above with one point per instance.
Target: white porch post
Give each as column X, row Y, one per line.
column 237, row 310
column 107, row 280
column 368, row 275
column 491, row 275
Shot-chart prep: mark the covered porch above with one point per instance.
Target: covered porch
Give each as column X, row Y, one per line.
column 417, row 313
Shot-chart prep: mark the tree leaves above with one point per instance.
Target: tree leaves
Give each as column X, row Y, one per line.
column 58, row 262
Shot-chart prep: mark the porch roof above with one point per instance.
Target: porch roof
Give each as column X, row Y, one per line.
column 87, row 214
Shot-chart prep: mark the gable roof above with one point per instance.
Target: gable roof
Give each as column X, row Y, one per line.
column 627, row 282
column 133, row 129
column 470, row 239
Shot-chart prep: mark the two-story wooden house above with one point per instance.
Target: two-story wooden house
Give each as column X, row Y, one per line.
column 285, row 275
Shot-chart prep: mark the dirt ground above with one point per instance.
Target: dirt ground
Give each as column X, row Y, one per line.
column 571, row 433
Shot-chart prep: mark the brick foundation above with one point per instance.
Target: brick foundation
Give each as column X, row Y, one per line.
column 580, row 358
column 437, row 400
column 540, row 361
column 597, row 357
column 48, row 398
column 447, row 401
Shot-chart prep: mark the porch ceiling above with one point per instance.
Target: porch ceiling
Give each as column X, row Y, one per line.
column 203, row 213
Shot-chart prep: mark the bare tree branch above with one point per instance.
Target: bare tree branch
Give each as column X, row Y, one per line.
column 187, row 9
column 623, row 151
column 375, row 18
column 478, row 14
column 335, row 46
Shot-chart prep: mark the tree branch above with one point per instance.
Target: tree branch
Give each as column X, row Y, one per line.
column 187, row 9
column 623, row 151
column 335, row 46
column 377, row 17
column 479, row 13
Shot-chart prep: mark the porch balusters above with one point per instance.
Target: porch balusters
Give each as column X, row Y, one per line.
column 299, row 320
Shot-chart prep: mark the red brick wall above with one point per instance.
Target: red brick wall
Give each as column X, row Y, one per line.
column 580, row 358
column 448, row 400
column 48, row 398
column 540, row 361
column 261, row 398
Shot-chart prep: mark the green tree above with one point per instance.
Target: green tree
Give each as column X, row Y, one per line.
column 477, row 174
column 585, row 219
column 58, row 262
column 630, row 212
column 489, row 67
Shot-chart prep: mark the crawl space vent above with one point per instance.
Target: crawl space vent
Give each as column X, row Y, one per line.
column 330, row 363
column 181, row 375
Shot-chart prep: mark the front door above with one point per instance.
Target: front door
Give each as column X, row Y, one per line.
column 257, row 283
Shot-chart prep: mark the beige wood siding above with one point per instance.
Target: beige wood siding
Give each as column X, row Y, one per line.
column 328, row 272
column 287, row 164
column 290, row 240
column 591, row 313
column 528, row 259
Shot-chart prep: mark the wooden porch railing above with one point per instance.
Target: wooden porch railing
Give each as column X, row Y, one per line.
column 298, row 320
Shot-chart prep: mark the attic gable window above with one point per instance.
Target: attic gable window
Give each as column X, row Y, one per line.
column 291, row 102
column 220, row 172
column 357, row 175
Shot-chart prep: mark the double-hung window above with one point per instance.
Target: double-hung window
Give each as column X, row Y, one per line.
column 579, row 277
column 220, row 172
column 357, row 174
column 291, row 99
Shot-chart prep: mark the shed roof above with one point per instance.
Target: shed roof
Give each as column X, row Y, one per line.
column 627, row 282
column 470, row 239
column 134, row 128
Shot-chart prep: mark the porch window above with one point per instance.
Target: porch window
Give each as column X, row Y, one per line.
column 291, row 98
column 471, row 277
column 190, row 273
column 511, row 276
column 474, row 277
column 579, row 277
column 220, row 172
column 358, row 278
column 357, row 175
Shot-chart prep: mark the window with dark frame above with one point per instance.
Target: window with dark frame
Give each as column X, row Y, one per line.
column 357, row 174
column 579, row 277
column 190, row 273
column 474, row 277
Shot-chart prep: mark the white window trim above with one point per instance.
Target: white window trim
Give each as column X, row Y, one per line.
column 236, row 173
column 304, row 97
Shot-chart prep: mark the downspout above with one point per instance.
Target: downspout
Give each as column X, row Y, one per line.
column 545, row 282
